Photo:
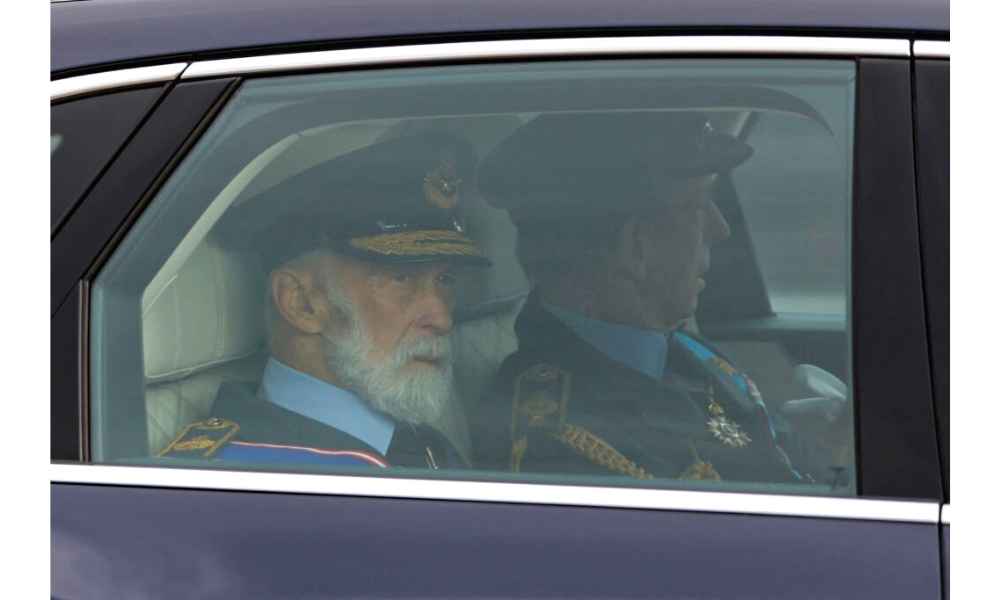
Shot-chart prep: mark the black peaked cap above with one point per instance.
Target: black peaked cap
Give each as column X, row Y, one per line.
column 395, row 201
column 574, row 166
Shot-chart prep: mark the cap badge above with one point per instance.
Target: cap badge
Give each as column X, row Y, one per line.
column 441, row 186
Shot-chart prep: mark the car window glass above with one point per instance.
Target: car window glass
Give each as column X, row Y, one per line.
column 495, row 272
column 85, row 134
column 796, row 213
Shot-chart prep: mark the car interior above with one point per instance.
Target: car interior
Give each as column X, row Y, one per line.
column 202, row 314
column 201, row 319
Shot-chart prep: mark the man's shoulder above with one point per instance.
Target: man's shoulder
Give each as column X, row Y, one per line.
column 221, row 439
column 245, row 427
column 544, row 340
column 264, row 422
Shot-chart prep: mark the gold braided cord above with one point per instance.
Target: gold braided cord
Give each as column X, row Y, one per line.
column 599, row 451
column 409, row 243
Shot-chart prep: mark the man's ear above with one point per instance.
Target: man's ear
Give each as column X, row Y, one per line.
column 630, row 253
column 297, row 295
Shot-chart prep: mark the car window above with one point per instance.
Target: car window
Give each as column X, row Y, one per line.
column 796, row 213
column 491, row 272
column 85, row 134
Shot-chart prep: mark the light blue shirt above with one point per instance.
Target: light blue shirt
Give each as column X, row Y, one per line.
column 318, row 400
column 643, row 350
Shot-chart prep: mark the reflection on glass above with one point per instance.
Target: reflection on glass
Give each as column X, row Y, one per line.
column 470, row 272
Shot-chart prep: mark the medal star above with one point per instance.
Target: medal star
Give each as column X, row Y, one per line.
column 728, row 432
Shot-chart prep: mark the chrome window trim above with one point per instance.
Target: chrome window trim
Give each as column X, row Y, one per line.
column 108, row 80
column 928, row 49
column 562, row 48
column 482, row 491
column 946, row 514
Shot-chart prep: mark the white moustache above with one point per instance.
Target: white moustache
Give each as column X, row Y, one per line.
column 437, row 348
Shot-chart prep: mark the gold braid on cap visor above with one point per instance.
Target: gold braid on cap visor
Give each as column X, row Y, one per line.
column 417, row 243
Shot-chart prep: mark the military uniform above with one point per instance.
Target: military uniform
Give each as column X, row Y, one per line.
column 569, row 408
column 296, row 419
column 394, row 202
column 570, row 183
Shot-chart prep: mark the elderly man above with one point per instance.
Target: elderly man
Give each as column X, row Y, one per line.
column 363, row 252
column 615, row 218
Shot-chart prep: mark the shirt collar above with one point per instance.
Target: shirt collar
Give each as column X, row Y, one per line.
column 643, row 350
column 324, row 402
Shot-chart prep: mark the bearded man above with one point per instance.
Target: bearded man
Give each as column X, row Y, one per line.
column 363, row 254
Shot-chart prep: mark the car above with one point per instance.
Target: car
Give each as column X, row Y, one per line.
column 828, row 291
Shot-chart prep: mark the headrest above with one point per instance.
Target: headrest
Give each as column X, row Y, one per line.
column 209, row 312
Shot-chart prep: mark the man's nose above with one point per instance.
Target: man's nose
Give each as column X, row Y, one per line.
column 434, row 314
column 716, row 228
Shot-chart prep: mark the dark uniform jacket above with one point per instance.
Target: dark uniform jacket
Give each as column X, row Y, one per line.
column 562, row 406
column 248, row 428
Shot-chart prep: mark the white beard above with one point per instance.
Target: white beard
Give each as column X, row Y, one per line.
column 415, row 398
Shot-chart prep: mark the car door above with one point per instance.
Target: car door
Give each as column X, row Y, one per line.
column 151, row 305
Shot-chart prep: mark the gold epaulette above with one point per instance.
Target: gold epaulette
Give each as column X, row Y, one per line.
column 541, row 394
column 201, row 439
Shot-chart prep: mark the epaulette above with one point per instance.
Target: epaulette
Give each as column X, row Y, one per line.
column 541, row 398
column 201, row 439
column 541, row 394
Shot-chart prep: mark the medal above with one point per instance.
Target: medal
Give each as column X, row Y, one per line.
column 725, row 430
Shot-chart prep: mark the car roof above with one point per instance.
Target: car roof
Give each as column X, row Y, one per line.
column 96, row 34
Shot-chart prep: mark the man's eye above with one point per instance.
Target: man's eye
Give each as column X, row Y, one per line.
column 401, row 277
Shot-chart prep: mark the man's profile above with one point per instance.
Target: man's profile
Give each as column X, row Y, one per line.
column 361, row 254
column 616, row 218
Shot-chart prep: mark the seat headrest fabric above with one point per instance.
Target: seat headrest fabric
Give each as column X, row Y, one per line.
column 209, row 312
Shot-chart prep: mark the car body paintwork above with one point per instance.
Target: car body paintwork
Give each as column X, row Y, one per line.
column 106, row 32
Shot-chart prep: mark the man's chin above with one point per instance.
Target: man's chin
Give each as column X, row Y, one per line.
column 418, row 394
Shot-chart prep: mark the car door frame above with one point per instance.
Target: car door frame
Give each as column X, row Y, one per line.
column 932, row 129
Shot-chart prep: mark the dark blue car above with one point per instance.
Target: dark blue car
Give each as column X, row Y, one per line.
column 738, row 390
